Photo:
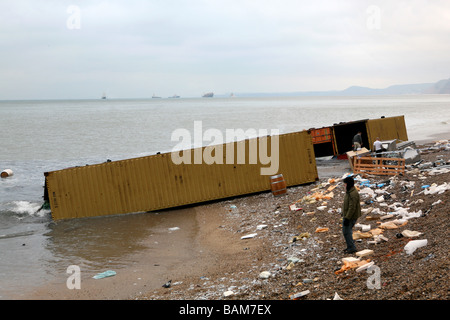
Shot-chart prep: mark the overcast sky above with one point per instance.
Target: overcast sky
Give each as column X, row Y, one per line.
column 58, row 49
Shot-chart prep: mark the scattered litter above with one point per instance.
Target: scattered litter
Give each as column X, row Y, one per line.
column 174, row 229
column 249, row 236
column 388, row 225
column 361, row 235
column 108, row 273
column 414, row 244
column 363, row 253
column 301, row 236
column 261, row 226
column 337, row 297
column 167, row 284
column 321, row 208
column 411, row 234
column 264, row 275
column 299, row 295
column 437, row 202
column 350, row 259
column 228, row 293
column 293, row 207
column 364, row 227
column 351, row 265
column 434, row 188
column 365, row 266
column 294, row 260
column 322, row 229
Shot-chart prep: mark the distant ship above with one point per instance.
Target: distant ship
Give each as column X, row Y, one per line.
column 208, row 95
column 104, row 96
column 153, row 96
column 174, row 96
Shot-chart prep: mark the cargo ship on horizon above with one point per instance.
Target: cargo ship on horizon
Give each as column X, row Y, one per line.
column 208, row 95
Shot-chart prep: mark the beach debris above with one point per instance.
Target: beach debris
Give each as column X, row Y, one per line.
column 364, row 227
column 294, row 260
column 411, row 155
column 365, row 266
column 439, row 189
column 363, row 253
column 361, row 235
column 388, row 225
column 350, row 259
column 411, row 234
column 249, row 236
column 264, row 275
column 301, row 236
column 319, row 229
column 351, row 265
column 337, row 297
column 228, row 293
column 378, row 239
column 167, row 284
column 414, row 244
column 174, row 229
column 293, row 207
column 321, row 208
column 296, row 296
column 7, row 173
column 108, row 273
column 261, row 226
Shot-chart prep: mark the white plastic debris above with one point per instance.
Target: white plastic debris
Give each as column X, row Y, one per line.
column 364, row 227
column 249, row 236
column 337, row 297
column 228, row 293
column 367, row 191
column 414, row 244
column 265, row 275
column 434, row 188
column 300, row 294
column 411, row 234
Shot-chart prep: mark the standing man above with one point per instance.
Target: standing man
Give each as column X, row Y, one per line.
column 357, row 141
column 351, row 211
column 378, row 147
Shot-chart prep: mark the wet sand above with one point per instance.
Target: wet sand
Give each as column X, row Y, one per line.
column 198, row 248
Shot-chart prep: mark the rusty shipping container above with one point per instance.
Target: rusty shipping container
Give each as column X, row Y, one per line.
column 155, row 182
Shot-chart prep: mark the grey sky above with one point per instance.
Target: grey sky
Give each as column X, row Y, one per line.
column 131, row 49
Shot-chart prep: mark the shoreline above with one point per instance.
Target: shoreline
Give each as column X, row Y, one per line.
column 202, row 238
column 206, row 249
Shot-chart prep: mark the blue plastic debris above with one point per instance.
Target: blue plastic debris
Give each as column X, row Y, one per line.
column 105, row 274
column 425, row 186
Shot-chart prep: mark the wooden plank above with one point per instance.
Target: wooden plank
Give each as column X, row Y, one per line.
column 379, row 166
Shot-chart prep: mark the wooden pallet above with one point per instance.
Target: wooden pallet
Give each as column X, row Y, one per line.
column 379, row 166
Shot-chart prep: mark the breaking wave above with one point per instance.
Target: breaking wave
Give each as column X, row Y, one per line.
column 24, row 208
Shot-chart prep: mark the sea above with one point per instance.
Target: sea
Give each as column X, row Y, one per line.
column 41, row 136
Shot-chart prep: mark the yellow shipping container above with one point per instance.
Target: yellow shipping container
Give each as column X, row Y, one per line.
column 386, row 129
column 156, row 182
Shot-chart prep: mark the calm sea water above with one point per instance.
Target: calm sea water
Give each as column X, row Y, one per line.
column 40, row 136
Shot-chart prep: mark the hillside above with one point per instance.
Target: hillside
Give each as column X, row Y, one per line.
column 440, row 87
